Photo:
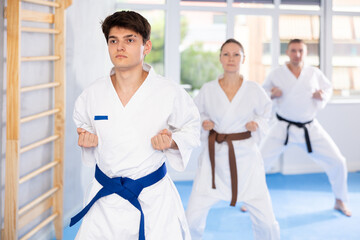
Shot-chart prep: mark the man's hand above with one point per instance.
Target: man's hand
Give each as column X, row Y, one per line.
column 163, row 140
column 275, row 92
column 251, row 126
column 208, row 125
column 318, row 95
column 87, row 139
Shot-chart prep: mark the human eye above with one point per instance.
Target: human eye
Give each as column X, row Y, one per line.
column 112, row 41
column 225, row 54
column 130, row 40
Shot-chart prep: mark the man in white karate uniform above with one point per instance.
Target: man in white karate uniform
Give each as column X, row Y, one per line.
column 298, row 92
column 129, row 123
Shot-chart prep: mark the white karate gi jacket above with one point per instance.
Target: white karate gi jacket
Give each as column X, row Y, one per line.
column 250, row 103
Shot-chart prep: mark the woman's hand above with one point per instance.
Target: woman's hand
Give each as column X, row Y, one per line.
column 251, row 126
column 208, row 125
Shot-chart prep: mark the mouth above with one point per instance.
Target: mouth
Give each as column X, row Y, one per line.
column 120, row 56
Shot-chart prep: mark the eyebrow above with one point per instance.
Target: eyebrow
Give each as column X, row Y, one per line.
column 129, row 36
column 126, row 36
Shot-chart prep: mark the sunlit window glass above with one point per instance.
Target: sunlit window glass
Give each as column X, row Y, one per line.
column 202, row 34
column 300, row 4
column 156, row 56
column 254, row 33
column 253, row 4
column 346, row 55
column 303, row 27
column 346, row 5
column 142, row 1
column 215, row 3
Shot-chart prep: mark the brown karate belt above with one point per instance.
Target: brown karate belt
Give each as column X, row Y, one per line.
column 219, row 138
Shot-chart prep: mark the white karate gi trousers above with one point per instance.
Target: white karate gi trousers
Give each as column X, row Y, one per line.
column 264, row 224
column 325, row 152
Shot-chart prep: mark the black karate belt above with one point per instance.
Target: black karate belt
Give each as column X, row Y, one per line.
column 299, row 125
column 126, row 188
column 219, row 138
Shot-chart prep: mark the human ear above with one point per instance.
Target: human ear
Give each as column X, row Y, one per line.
column 242, row 60
column 147, row 47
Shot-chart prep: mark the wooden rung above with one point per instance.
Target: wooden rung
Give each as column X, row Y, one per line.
column 40, row 30
column 40, row 86
column 40, row 226
column 39, row 115
column 33, row 16
column 40, row 58
column 35, row 212
column 41, row 2
column 39, row 143
column 38, row 200
column 38, row 171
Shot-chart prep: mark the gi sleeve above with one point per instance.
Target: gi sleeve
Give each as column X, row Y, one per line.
column 185, row 125
column 262, row 113
column 268, row 83
column 325, row 86
column 200, row 104
column 82, row 119
column 200, row 101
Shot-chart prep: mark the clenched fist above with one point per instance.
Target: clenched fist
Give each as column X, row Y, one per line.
column 251, row 126
column 163, row 140
column 87, row 139
column 208, row 125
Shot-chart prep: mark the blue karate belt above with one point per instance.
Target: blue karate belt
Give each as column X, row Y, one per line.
column 126, row 188
column 299, row 125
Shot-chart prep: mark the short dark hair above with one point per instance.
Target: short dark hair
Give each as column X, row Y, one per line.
column 296, row 40
column 232, row 40
column 129, row 20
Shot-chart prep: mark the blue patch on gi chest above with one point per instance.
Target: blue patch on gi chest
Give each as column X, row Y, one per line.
column 100, row 117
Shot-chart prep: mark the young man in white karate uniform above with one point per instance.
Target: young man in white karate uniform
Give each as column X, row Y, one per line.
column 298, row 92
column 129, row 123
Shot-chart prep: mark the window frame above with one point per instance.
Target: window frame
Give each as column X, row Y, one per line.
column 173, row 9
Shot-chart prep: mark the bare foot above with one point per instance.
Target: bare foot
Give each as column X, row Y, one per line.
column 243, row 208
column 341, row 207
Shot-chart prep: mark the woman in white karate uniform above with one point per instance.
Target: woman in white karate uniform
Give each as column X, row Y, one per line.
column 234, row 114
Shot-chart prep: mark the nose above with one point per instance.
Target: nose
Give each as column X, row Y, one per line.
column 120, row 46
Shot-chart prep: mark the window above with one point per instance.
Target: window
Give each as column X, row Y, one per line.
column 156, row 57
column 202, row 34
column 254, row 4
column 254, row 33
column 303, row 27
column 346, row 5
column 300, row 4
column 142, row 1
column 346, row 55
column 197, row 28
